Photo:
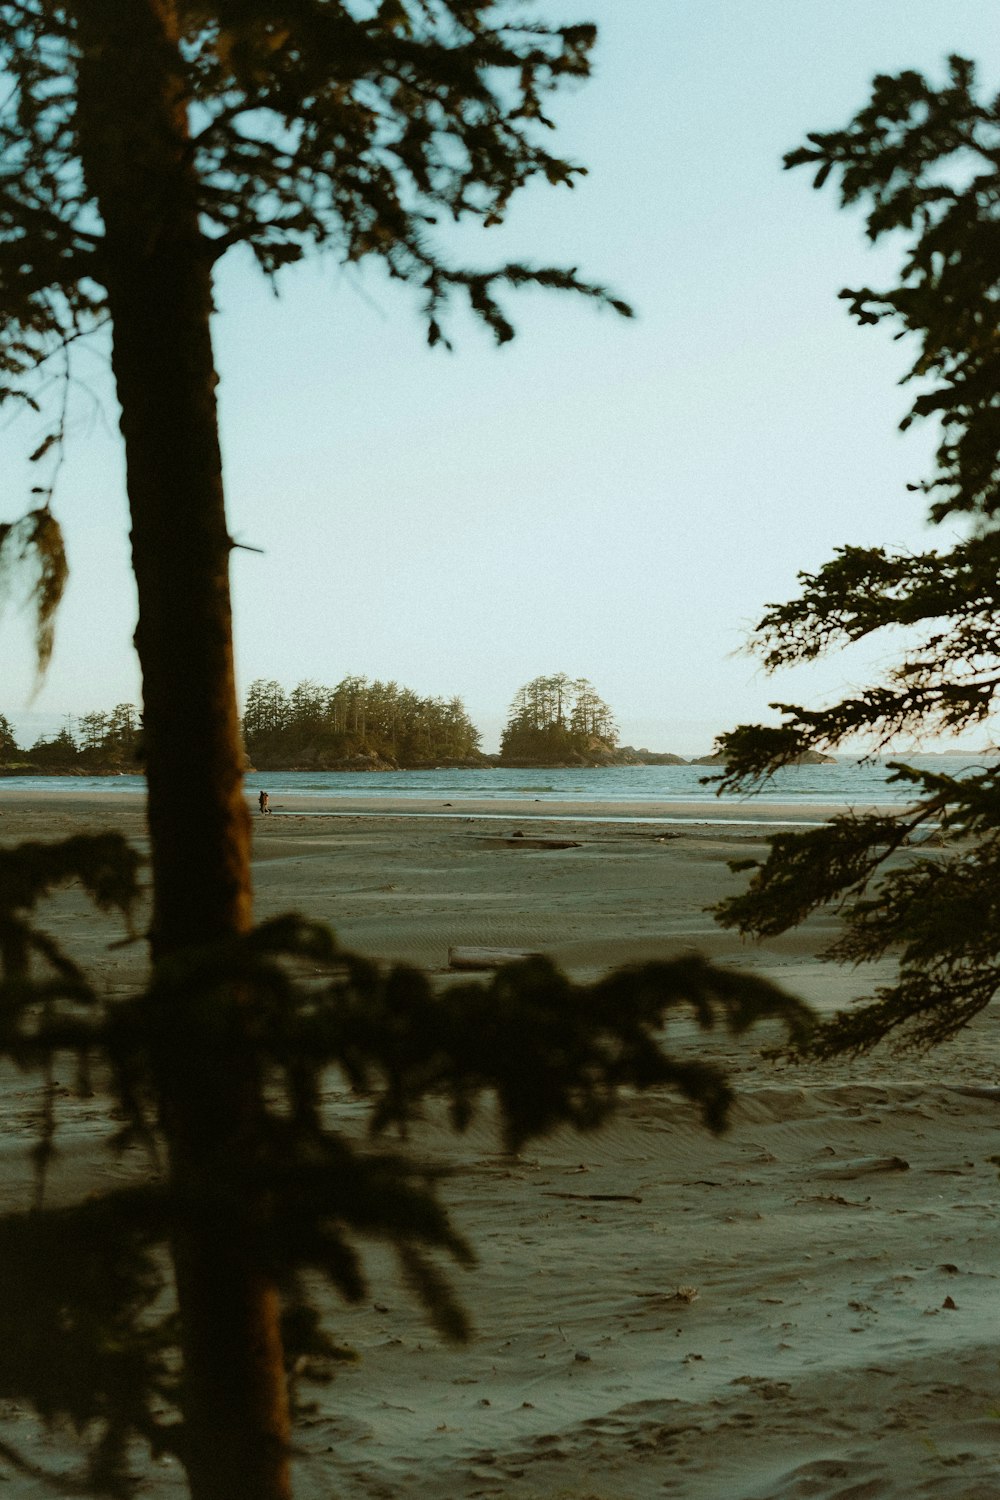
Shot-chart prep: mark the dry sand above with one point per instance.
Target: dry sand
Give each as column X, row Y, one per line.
column 802, row 1308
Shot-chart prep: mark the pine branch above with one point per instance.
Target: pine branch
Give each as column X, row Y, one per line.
column 87, row 1303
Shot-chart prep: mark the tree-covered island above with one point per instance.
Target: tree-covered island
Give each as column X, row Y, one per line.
column 98, row 744
column 364, row 725
column 558, row 721
column 356, row 726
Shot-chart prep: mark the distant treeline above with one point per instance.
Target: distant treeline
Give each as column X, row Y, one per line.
column 363, row 725
column 359, row 724
column 100, row 742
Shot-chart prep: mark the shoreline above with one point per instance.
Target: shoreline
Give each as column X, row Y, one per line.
column 736, row 811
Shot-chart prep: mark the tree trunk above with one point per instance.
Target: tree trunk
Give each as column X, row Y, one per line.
column 156, row 267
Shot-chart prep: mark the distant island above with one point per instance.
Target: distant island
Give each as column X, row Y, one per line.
column 104, row 744
column 807, row 758
column 558, row 721
column 362, row 725
column 359, row 725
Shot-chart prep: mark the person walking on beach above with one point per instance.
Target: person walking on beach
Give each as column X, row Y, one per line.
column 265, row 803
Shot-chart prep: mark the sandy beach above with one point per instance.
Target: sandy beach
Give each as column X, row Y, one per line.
column 804, row 1307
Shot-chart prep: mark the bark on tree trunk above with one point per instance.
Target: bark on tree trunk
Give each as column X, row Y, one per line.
column 133, row 133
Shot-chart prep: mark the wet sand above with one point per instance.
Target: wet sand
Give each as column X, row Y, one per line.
column 802, row 1308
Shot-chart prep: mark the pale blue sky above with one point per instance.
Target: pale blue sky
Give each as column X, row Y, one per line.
column 613, row 500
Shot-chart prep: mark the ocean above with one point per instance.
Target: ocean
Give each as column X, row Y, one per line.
column 843, row 784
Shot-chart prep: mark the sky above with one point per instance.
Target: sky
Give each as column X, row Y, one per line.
column 618, row 500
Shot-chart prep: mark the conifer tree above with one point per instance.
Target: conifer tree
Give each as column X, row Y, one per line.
column 924, row 161
column 141, row 140
column 8, row 744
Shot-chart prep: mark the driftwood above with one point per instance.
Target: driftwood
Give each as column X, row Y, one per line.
column 486, row 958
column 529, row 841
column 863, row 1165
column 597, row 1197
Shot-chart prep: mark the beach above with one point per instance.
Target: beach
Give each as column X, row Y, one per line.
column 802, row 1307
